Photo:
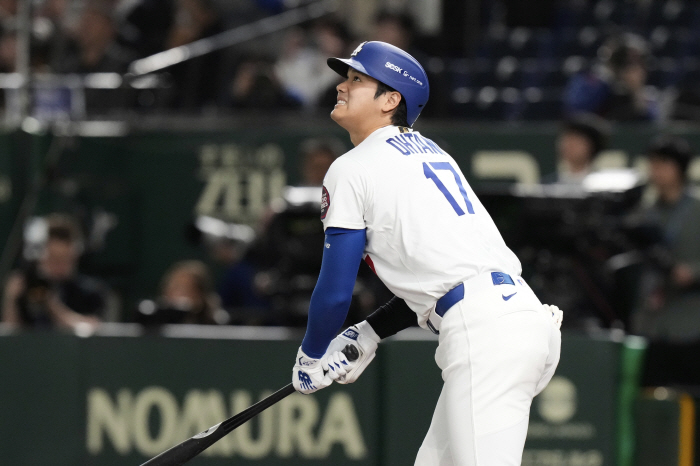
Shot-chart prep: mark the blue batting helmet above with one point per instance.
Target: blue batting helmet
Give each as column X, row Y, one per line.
column 391, row 66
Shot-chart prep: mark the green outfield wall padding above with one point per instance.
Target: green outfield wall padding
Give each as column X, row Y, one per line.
column 106, row 400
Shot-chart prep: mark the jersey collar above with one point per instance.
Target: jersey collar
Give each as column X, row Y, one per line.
column 385, row 130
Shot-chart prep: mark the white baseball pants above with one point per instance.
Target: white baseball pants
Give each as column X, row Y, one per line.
column 496, row 354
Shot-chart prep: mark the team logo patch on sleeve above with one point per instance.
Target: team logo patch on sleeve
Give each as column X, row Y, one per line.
column 325, row 202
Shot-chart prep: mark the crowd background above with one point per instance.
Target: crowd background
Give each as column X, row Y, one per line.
column 495, row 60
column 587, row 66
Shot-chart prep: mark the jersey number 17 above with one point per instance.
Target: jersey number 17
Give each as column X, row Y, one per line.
column 430, row 174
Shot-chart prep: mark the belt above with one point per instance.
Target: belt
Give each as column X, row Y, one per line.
column 456, row 294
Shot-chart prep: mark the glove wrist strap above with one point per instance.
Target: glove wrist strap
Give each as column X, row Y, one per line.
column 366, row 329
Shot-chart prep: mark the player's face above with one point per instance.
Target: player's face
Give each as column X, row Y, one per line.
column 356, row 103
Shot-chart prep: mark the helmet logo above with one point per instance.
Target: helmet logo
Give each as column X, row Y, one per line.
column 357, row 50
column 391, row 66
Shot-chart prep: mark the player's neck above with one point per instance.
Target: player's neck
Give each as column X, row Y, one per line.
column 357, row 135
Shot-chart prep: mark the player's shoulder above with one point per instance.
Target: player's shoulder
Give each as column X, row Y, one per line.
column 349, row 164
column 362, row 156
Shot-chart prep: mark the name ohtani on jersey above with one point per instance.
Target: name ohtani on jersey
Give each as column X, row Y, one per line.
column 411, row 143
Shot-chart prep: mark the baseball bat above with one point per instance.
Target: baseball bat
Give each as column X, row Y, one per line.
column 185, row 451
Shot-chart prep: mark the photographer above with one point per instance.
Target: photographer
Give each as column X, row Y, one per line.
column 50, row 292
column 670, row 307
column 187, row 296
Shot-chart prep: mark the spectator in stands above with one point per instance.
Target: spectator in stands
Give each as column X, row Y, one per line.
column 237, row 288
column 301, row 67
column 56, row 19
column 50, row 292
column 97, row 48
column 398, row 29
column 188, row 285
column 255, row 86
column 8, row 51
column 187, row 296
column 317, row 157
column 670, row 307
column 616, row 89
column 580, row 140
column 395, row 29
column 8, row 10
column 198, row 81
column 333, row 40
column 144, row 25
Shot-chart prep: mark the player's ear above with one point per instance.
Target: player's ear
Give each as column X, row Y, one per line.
column 392, row 101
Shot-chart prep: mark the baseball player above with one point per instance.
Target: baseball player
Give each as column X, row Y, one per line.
column 400, row 201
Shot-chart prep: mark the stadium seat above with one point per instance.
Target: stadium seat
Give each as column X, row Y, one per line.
column 541, row 104
column 523, row 43
column 519, row 73
column 507, row 72
column 671, row 13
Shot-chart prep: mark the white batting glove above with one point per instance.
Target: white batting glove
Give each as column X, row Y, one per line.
column 363, row 337
column 557, row 314
column 335, row 364
column 308, row 375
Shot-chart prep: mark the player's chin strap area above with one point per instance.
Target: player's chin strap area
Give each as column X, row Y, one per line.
column 456, row 295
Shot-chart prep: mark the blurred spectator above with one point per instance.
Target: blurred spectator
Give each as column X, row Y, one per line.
column 144, row 24
column 98, row 50
column 50, row 292
column 670, row 308
column 616, row 88
column 394, row 28
column 302, row 68
column 686, row 105
column 228, row 244
column 187, row 296
column 317, row 157
column 54, row 21
column 255, row 86
column 8, row 9
column 398, row 29
column 8, row 51
column 198, row 81
column 239, row 294
column 331, row 36
column 333, row 40
column 579, row 142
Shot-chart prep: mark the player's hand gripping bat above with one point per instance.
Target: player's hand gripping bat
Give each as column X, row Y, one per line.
column 185, row 451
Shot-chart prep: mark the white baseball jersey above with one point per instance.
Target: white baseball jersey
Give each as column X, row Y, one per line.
column 426, row 229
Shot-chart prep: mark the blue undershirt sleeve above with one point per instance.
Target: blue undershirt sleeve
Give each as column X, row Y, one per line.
column 330, row 301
